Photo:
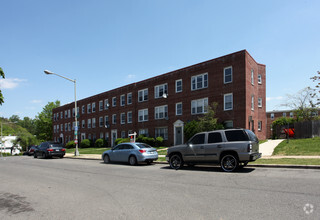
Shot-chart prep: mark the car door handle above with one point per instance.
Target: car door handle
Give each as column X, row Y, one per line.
column 219, row 146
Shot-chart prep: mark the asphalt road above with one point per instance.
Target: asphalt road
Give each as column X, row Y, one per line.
column 85, row 189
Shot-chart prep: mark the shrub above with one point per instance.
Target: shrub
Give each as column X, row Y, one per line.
column 159, row 141
column 99, row 143
column 85, row 143
column 140, row 138
column 149, row 140
column 124, row 140
column 70, row 144
column 117, row 141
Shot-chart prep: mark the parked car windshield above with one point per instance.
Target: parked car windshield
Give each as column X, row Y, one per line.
column 236, row 135
column 143, row 145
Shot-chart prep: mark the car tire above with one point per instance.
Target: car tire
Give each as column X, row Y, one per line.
column 176, row 161
column 34, row 155
column 132, row 160
column 229, row 163
column 43, row 156
column 106, row 159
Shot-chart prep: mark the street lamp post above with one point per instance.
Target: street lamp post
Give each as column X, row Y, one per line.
column 76, row 153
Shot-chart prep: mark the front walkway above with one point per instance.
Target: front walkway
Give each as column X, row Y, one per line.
column 268, row 147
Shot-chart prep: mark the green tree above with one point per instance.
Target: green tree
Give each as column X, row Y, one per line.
column 316, row 90
column 43, row 121
column 190, row 129
column 29, row 124
column 1, row 96
column 14, row 119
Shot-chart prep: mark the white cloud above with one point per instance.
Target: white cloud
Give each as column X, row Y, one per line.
column 10, row 83
column 35, row 101
column 274, row 98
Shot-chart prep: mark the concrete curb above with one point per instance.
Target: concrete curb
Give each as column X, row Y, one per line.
column 250, row 165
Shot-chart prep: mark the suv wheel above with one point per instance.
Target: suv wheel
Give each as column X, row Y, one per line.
column 229, row 163
column 176, row 161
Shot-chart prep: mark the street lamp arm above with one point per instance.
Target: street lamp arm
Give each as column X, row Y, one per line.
column 52, row 73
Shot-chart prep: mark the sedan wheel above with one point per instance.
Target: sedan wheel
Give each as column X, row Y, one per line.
column 229, row 163
column 106, row 159
column 132, row 160
column 176, row 161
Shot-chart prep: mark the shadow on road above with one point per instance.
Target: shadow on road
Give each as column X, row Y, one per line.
column 205, row 168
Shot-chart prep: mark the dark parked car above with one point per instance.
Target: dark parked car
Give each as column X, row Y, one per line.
column 132, row 153
column 49, row 149
column 32, row 149
column 230, row 148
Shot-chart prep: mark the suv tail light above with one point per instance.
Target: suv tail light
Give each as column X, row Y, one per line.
column 49, row 149
column 249, row 148
column 142, row 151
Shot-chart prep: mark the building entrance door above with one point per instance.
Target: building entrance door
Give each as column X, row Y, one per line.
column 178, row 135
column 113, row 137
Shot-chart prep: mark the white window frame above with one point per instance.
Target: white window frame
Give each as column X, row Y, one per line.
column 114, row 101
column 101, row 122
column 259, row 79
column 106, row 120
column 252, row 76
column 157, row 90
column 194, row 81
column 93, row 122
column 284, row 114
column 141, row 93
column 143, row 115
column 179, row 80
column 259, row 125
column 106, row 104
column 291, row 114
column 114, row 119
column 93, row 107
column 161, row 112
column 129, row 100
column 69, row 113
column 252, row 102
column 260, row 102
column 123, row 118
column 224, row 75
column 272, row 116
column 89, row 108
column 196, row 104
column 144, row 131
column 177, row 104
column 123, row 100
column 225, row 96
column 161, row 130
column 101, row 105
column 129, row 117
column 83, row 123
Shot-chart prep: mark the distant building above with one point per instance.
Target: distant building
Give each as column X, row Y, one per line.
column 162, row 105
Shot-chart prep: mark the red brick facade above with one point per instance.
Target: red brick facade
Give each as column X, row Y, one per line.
column 203, row 81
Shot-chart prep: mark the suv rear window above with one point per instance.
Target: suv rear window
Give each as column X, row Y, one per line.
column 252, row 136
column 236, row 135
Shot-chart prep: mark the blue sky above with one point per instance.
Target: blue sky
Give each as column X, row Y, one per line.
column 106, row 44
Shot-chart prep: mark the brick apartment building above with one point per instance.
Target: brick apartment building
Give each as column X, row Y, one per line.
column 162, row 105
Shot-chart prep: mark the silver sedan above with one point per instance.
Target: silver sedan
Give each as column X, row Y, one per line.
column 133, row 153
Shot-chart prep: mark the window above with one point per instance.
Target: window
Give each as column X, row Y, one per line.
column 259, row 125
column 160, row 90
column 272, row 116
column 123, row 118
column 73, row 112
column 106, row 121
column 129, row 116
column 89, row 123
column 93, row 107
column 114, row 101
column 228, row 101
column 61, row 126
column 259, row 102
column 66, row 127
column 123, row 134
column 83, row 109
column 100, row 122
column 89, row 108
column 129, row 98
column 252, row 78
column 66, row 114
column 114, row 119
column 122, row 100
column 143, row 95
column 69, row 126
column 101, row 135
column 54, row 129
column 227, row 75
column 83, row 123
column 143, row 115
column 284, row 114
column 61, row 115
column 178, row 85
column 144, row 132
column 107, row 136
column 73, row 124
column 161, row 112
column 93, row 122
column 199, row 81
column 106, row 104
column 100, row 105
column 179, row 108
column 162, row 132
column 58, row 129
column 259, row 79
column 228, row 124
column 199, row 106
column 69, row 113
column 236, row 135
column 214, row 137
column 252, row 102
column 198, row 139
column 291, row 114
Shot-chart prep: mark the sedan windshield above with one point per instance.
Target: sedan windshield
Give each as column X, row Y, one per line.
column 143, row 145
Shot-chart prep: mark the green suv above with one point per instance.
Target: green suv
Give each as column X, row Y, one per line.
column 231, row 148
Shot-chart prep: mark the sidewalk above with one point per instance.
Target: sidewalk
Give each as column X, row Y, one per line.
column 268, row 147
